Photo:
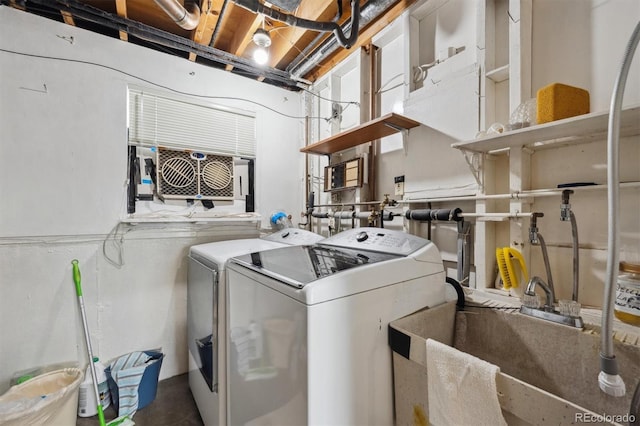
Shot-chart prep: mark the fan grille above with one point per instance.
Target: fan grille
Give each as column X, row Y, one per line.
column 178, row 172
column 216, row 175
column 183, row 175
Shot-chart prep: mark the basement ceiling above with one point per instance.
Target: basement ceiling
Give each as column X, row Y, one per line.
column 303, row 46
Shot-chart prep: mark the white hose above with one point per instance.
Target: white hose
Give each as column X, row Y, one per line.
column 609, row 380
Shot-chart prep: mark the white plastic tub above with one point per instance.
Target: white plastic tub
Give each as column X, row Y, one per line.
column 48, row 399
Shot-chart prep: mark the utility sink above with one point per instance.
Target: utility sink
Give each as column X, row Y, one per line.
column 549, row 371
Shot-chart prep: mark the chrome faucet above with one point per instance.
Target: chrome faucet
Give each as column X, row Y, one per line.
column 548, row 291
column 547, row 312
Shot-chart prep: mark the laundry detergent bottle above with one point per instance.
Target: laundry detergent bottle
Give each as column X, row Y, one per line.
column 87, row 405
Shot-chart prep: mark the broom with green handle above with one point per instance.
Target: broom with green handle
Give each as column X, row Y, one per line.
column 77, row 281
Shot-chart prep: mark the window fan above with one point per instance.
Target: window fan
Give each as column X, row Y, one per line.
column 194, row 175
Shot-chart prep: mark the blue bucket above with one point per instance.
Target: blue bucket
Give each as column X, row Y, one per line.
column 148, row 384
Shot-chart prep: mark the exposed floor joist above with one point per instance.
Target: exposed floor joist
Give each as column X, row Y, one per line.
column 209, row 15
column 121, row 10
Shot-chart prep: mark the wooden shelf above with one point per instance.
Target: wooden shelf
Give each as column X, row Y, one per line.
column 570, row 131
column 372, row 130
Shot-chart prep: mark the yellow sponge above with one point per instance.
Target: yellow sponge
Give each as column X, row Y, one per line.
column 557, row 101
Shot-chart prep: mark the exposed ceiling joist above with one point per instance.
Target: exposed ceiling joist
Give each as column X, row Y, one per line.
column 68, row 18
column 209, row 15
column 223, row 33
column 121, row 10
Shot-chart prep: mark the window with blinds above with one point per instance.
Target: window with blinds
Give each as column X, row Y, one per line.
column 161, row 120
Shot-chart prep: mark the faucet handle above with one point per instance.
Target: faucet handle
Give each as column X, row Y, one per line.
column 569, row 307
column 531, row 300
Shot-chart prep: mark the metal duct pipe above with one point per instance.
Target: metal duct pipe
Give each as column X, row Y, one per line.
column 304, row 62
column 435, row 214
column 256, row 7
column 180, row 15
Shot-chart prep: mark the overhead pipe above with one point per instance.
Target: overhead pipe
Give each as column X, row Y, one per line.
column 181, row 16
column 324, row 26
column 305, row 61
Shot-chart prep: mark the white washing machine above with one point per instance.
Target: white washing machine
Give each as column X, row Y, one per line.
column 206, row 314
column 308, row 339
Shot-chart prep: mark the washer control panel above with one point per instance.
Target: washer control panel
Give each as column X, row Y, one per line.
column 294, row 236
column 377, row 239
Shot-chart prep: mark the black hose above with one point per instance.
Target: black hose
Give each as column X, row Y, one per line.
column 456, row 285
column 292, row 20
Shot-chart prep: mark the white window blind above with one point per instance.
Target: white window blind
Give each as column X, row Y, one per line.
column 160, row 120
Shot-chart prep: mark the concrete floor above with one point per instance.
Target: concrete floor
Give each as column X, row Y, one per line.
column 173, row 406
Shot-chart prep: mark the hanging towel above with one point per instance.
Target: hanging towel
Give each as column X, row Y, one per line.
column 462, row 388
column 127, row 371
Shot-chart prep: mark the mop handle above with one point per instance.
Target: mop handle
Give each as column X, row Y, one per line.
column 94, row 376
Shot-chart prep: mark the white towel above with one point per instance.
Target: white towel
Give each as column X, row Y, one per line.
column 462, row 388
column 127, row 371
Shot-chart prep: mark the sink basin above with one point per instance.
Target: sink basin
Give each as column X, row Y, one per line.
column 549, row 371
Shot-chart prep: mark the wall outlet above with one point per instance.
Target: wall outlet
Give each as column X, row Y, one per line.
column 399, row 185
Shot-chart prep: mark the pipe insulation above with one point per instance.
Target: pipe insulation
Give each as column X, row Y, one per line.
column 435, row 214
column 307, row 60
column 181, row 16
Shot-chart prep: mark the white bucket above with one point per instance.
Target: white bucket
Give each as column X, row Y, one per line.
column 48, row 399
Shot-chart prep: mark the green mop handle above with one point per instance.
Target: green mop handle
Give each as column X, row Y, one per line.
column 76, row 277
column 77, row 281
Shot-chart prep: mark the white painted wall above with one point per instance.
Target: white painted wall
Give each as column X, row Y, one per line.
column 574, row 42
column 590, row 54
column 63, row 152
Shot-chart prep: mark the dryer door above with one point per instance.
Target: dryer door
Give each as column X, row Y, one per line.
column 202, row 320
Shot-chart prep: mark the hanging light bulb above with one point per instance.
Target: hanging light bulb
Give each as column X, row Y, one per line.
column 260, row 55
column 262, row 40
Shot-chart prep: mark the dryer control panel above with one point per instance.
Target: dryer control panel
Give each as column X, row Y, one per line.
column 377, row 239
